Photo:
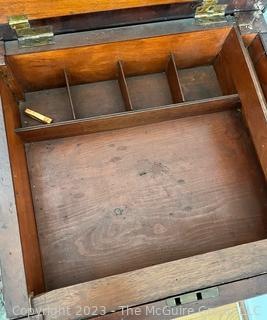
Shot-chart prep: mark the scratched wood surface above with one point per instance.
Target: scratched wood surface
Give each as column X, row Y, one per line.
column 116, row 201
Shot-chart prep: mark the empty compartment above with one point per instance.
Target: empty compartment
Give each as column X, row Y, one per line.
column 199, row 83
column 95, row 99
column 150, row 90
column 110, row 203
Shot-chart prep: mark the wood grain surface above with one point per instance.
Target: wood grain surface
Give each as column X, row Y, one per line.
column 228, row 293
column 126, row 119
column 224, row 75
column 126, row 93
column 117, row 201
column 46, row 9
column 249, row 89
column 99, row 62
column 13, row 279
column 24, row 206
column 258, row 56
column 199, row 83
column 155, row 283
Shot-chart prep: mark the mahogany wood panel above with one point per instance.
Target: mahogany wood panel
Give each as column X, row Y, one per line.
column 256, row 50
column 259, row 59
column 224, row 75
column 158, row 282
column 109, row 203
column 251, row 95
column 99, row 62
column 228, row 293
column 125, row 120
column 26, row 218
column 36, row 10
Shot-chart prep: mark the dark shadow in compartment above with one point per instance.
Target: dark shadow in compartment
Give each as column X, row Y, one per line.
column 99, row 98
column 150, row 90
column 52, row 103
column 199, row 83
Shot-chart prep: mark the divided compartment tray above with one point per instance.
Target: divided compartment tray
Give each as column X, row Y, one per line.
column 141, row 91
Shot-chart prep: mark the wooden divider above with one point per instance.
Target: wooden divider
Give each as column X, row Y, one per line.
column 124, row 88
column 258, row 56
column 24, row 205
column 250, row 92
column 224, row 75
column 174, row 81
column 128, row 119
column 69, row 94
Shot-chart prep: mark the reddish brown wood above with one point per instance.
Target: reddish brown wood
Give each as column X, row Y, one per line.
column 36, row 10
column 12, row 266
column 248, row 38
column 26, row 218
column 157, row 282
column 67, row 82
column 99, row 62
column 258, row 56
column 224, row 75
column 125, row 120
column 199, row 83
column 228, row 293
column 124, row 87
column 131, row 198
column 103, row 200
column 7, row 75
column 251, row 95
column 174, row 81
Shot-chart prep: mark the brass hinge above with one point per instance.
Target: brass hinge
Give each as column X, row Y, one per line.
column 29, row 36
column 210, row 12
column 210, row 293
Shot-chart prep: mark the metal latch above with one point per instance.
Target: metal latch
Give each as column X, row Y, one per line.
column 193, row 297
column 210, row 11
column 28, row 36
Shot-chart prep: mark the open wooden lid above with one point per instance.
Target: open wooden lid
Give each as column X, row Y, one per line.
column 36, row 9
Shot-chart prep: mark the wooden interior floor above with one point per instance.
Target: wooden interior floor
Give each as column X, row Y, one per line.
column 116, row 201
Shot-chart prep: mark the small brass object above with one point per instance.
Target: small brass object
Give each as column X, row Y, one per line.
column 38, row 116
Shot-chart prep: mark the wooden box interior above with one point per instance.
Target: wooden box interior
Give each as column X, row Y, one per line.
column 178, row 177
